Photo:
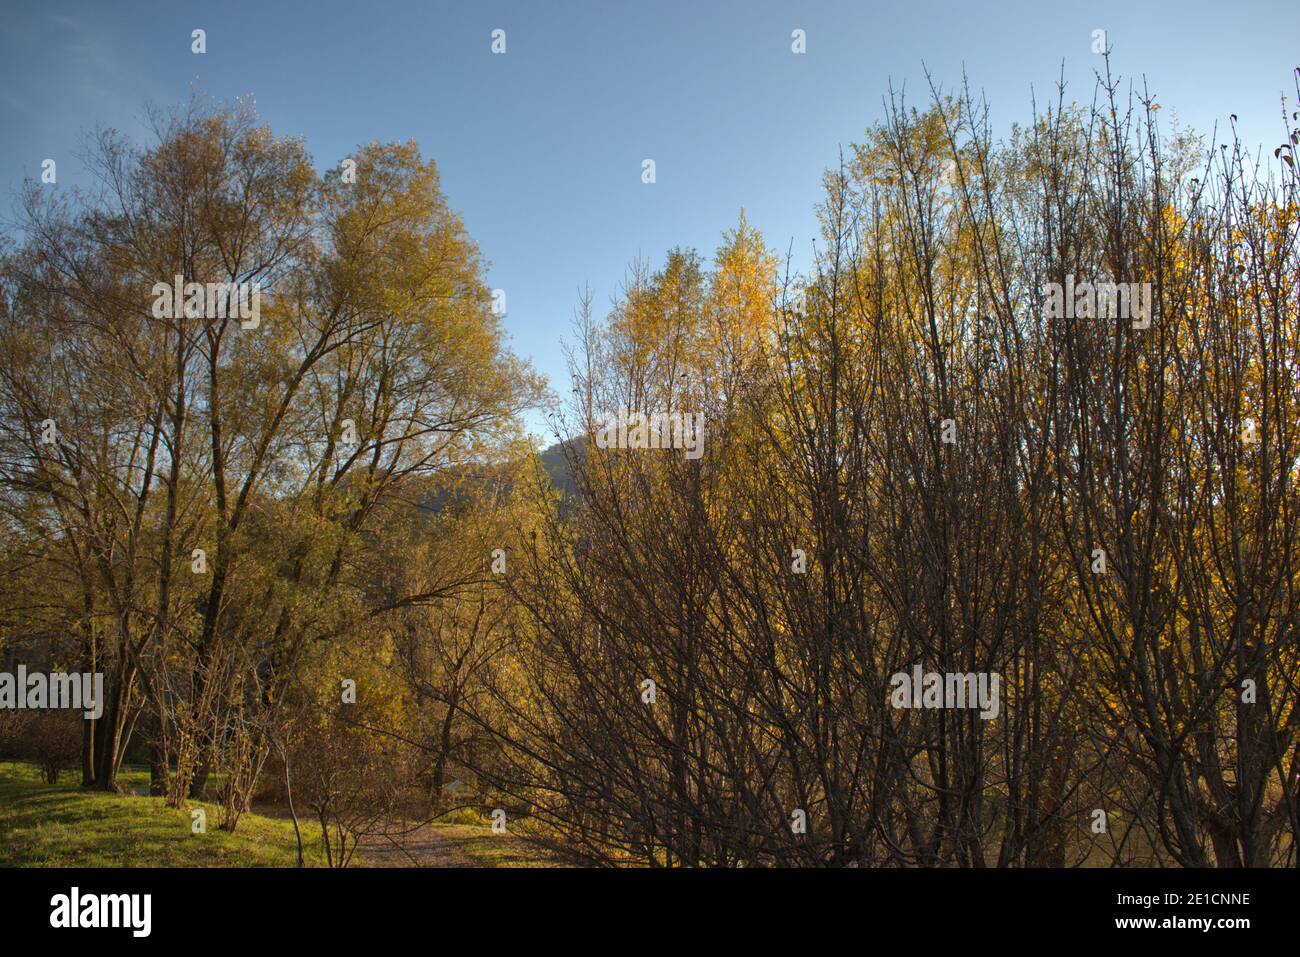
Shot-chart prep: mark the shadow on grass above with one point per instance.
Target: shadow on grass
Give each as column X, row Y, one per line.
column 63, row 825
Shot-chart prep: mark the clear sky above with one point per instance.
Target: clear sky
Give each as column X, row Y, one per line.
column 540, row 149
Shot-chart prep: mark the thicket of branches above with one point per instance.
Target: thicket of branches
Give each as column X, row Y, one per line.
column 1156, row 683
column 909, row 460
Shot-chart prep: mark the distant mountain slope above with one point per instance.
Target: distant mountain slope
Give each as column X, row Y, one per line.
column 556, row 462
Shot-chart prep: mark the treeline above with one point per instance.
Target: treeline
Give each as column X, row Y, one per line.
column 1031, row 413
column 223, row 516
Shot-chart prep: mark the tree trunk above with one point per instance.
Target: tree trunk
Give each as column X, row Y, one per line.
column 88, row 753
column 440, row 765
column 109, row 737
column 158, row 768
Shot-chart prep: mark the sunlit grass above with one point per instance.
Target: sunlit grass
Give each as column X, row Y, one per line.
column 62, row 825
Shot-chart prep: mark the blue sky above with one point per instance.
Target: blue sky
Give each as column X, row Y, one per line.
column 540, row 149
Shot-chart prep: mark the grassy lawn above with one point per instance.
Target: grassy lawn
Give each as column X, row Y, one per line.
column 63, row 826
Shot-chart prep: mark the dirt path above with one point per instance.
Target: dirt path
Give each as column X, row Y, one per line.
column 439, row 845
column 456, row 845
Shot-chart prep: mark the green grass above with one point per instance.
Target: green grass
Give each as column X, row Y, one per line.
column 134, row 778
column 61, row 825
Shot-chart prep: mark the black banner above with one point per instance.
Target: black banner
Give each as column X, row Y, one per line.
column 147, row 906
